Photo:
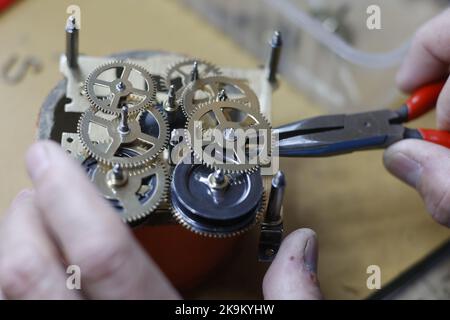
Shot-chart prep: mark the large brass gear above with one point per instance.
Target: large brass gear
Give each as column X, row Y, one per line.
column 213, row 134
column 103, row 140
column 208, row 89
column 140, row 194
column 179, row 73
column 114, row 84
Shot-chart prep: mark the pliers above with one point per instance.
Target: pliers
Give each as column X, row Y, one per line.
column 5, row 4
column 344, row 133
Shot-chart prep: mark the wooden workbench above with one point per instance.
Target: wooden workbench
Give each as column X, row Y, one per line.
column 362, row 215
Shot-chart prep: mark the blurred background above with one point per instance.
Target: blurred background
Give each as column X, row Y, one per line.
column 331, row 63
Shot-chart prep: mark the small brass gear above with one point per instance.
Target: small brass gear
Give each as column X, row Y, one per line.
column 100, row 135
column 206, row 90
column 213, row 132
column 179, row 73
column 114, row 84
column 140, row 193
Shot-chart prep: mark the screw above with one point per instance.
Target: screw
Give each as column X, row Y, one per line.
column 222, row 96
column 194, row 72
column 123, row 126
column 274, row 57
column 72, row 40
column 219, row 176
column 120, row 86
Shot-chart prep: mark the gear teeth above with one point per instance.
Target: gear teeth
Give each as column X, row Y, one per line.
column 127, row 163
column 160, row 195
column 106, row 66
column 228, row 168
column 164, row 192
column 258, row 218
column 252, row 102
column 155, row 162
column 185, row 62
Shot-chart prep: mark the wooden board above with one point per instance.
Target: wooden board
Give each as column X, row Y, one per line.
column 362, row 215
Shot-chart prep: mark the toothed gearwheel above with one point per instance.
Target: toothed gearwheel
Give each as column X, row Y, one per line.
column 179, row 74
column 115, row 84
column 229, row 135
column 216, row 209
column 135, row 193
column 208, row 89
column 101, row 136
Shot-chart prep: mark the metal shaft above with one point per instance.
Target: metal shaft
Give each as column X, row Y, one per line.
column 123, row 126
column 222, row 96
column 276, row 198
column 72, row 40
column 194, row 72
column 170, row 106
column 171, row 98
column 218, row 181
column 219, row 176
column 274, row 58
column 117, row 177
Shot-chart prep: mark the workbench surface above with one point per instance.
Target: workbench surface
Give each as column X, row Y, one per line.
column 361, row 214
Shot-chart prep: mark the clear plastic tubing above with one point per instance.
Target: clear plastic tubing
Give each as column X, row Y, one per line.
column 365, row 59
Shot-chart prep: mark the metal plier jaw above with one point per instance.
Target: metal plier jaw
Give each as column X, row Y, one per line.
column 336, row 134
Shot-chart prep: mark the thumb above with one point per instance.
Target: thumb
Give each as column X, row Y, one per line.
column 426, row 167
column 293, row 273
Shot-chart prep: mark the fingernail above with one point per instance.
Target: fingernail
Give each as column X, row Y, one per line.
column 37, row 160
column 311, row 254
column 403, row 167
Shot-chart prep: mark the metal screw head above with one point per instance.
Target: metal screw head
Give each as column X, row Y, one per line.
column 219, row 176
column 120, row 86
column 269, row 252
column 71, row 24
column 123, row 125
column 222, row 96
column 218, row 179
column 277, row 40
column 171, row 104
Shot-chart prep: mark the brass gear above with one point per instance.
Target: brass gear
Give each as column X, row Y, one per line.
column 181, row 70
column 258, row 218
column 120, row 89
column 221, row 123
column 103, row 141
column 206, row 90
column 144, row 190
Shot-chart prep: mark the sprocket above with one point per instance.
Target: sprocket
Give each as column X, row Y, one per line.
column 117, row 83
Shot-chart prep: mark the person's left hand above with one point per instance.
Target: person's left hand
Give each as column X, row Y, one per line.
column 64, row 221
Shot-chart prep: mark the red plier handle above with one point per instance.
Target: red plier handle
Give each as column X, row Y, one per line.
column 5, row 4
column 420, row 102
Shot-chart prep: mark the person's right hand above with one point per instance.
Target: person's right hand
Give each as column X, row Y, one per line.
column 423, row 165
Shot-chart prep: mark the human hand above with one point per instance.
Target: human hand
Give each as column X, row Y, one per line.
column 293, row 273
column 423, row 165
column 63, row 221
